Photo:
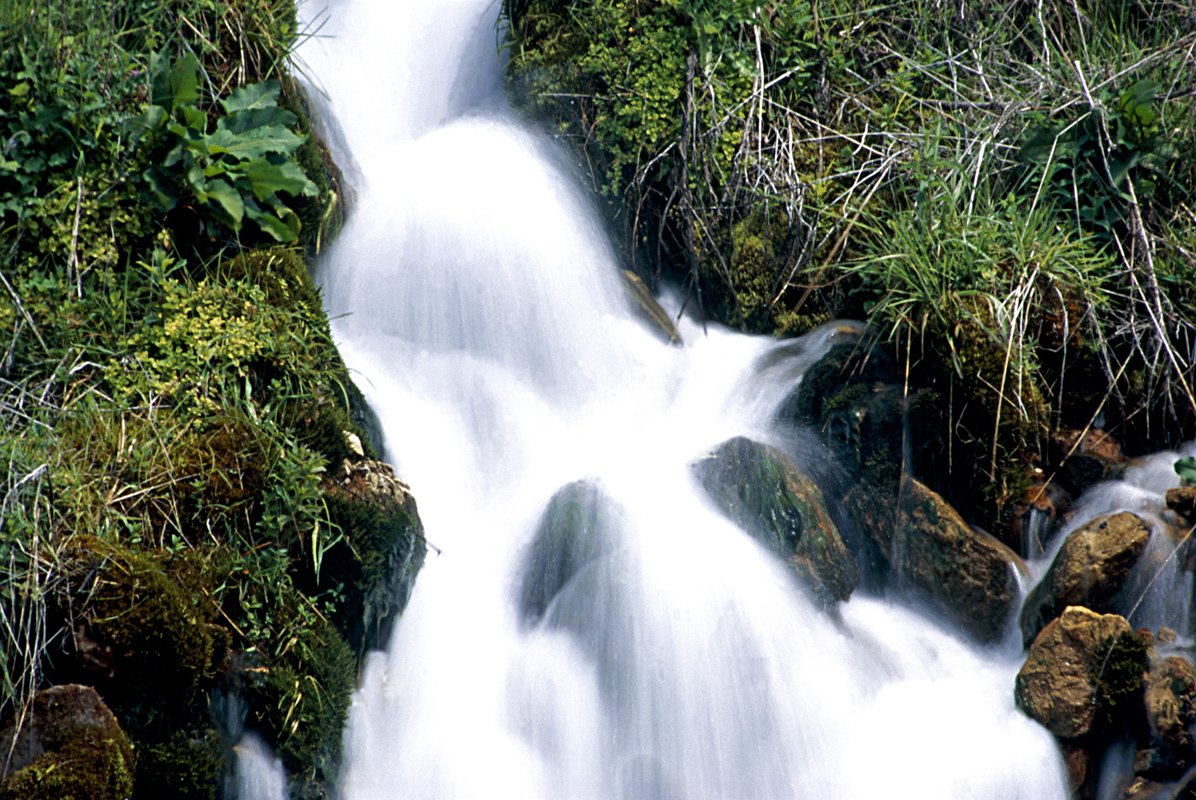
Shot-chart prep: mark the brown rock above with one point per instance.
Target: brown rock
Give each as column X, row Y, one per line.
column 1182, row 500
column 967, row 574
column 1082, row 673
column 1089, row 570
column 1170, row 699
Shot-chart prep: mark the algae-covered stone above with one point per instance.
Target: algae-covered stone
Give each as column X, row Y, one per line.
column 70, row 747
column 580, row 525
column 1090, row 569
column 1081, row 673
column 967, row 574
column 188, row 765
column 382, row 550
column 760, row 489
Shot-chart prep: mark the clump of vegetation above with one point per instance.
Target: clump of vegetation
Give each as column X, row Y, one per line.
column 170, row 397
column 1004, row 191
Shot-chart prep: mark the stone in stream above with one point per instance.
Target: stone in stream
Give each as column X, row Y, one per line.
column 761, row 489
column 1170, row 701
column 1090, row 569
column 1082, row 673
column 964, row 573
column 580, row 525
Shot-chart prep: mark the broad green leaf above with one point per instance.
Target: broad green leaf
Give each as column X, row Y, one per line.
column 283, row 229
column 174, row 84
column 253, row 144
column 267, row 179
column 254, row 96
column 161, row 189
column 226, row 199
column 241, row 122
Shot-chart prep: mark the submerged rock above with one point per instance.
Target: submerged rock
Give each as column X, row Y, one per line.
column 1081, row 674
column 1090, row 569
column 70, row 746
column 760, row 489
column 966, row 574
column 580, row 525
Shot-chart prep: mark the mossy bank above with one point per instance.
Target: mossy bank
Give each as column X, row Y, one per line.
column 1003, row 190
column 180, row 529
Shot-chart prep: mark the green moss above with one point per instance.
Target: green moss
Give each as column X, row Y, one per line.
column 299, row 699
column 1118, row 677
column 189, row 765
column 92, row 765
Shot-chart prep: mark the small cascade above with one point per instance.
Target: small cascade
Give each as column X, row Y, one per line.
column 259, row 774
column 477, row 300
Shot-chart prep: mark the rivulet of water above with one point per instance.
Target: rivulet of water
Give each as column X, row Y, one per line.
column 478, row 302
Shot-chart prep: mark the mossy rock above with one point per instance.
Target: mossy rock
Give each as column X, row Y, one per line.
column 760, row 489
column 580, row 525
column 381, row 552
column 70, row 748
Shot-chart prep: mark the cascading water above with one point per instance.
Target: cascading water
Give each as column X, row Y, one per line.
column 478, row 302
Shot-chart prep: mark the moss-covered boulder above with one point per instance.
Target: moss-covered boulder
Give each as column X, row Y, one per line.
column 966, row 574
column 381, row 550
column 580, row 525
column 763, row 491
column 1089, row 570
column 1082, row 674
column 69, row 747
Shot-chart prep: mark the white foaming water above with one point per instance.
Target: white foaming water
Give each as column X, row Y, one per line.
column 478, row 302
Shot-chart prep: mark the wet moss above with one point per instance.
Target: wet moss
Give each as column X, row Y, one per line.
column 299, row 699
column 189, row 765
column 91, row 765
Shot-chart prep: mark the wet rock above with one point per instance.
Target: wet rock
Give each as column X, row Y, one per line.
column 648, row 309
column 1082, row 675
column 1085, row 458
column 1182, row 500
column 70, row 746
column 1170, row 700
column 580, row 525
column 966, row 574
column 382, row 550
column 760, row 489
column 1090, row 569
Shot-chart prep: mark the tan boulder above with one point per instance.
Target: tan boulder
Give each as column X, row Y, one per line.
column 1090, row 569
column 1082, row 673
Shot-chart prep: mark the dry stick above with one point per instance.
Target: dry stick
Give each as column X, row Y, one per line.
column 17, row 300
column 72, row 264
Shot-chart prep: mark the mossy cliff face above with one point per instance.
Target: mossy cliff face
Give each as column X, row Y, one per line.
column 185, row 527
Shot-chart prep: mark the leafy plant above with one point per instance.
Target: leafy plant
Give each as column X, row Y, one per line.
column 241, row 170
column 1185, row 468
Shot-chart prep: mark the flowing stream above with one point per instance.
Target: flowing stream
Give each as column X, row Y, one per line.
column 476, row 297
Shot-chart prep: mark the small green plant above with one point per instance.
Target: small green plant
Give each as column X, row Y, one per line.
column 241, row 170
column 1185, row 468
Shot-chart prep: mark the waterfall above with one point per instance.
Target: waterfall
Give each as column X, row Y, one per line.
column 476, row 298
